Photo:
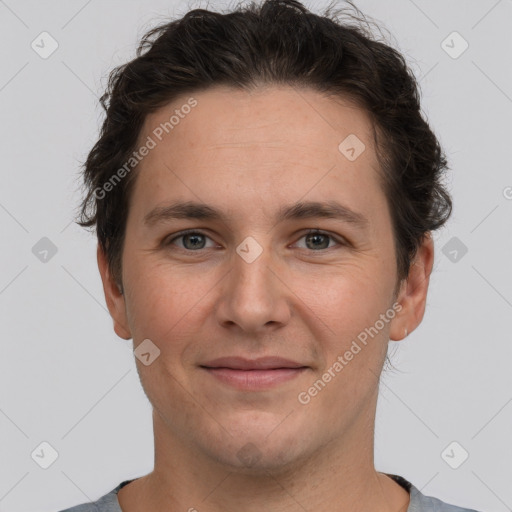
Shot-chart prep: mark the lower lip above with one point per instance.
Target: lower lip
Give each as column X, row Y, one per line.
column 254, row 380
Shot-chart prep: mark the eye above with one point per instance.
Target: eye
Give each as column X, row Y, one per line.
column 192, row 240
column 318, row 240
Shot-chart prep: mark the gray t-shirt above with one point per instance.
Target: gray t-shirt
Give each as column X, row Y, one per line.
column 418, row 502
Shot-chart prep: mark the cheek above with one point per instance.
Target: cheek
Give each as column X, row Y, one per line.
column 159, row 299
column 349, row 307
column 353, row 341
column 348, row 300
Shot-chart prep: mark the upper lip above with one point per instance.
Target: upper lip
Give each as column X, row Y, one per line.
column 261, row 363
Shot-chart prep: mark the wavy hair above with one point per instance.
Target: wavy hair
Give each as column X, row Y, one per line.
column 275, row 42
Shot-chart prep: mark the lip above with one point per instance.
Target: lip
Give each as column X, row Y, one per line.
column 253, row 374
column 261, row 363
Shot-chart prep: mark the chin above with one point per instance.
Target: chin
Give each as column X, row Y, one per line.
column 254, row 458
column 256, row 448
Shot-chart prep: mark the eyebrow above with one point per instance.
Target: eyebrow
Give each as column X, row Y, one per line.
column 299, row 210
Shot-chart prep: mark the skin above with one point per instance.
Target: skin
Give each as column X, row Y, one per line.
column 249, row 153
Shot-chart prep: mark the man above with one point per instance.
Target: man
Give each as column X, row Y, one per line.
column 264, row 191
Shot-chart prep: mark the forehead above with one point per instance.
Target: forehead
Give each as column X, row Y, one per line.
column 264, row 145
column 223, row 117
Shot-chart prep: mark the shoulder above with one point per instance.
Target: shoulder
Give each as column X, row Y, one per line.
column 107, row 503
column 84, row 507
column 422, row 503
column 419, row 502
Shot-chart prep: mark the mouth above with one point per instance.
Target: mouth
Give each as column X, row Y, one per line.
column 253, row 375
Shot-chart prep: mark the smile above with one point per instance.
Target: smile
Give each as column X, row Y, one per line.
column 254, row 380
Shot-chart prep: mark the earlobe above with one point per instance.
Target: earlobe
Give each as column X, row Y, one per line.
column 114, row 297
column 413, row 293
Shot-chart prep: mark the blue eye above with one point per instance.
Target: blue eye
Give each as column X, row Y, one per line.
column 193, row 236
column 193, row 240
column 319, row 238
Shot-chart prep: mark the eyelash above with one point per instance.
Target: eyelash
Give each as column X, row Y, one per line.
column 315, row 231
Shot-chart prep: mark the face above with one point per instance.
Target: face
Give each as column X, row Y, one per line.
column 252, row 282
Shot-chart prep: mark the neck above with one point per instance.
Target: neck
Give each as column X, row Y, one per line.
column 338, row 476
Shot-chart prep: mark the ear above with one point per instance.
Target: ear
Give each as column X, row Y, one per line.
column 113, row 297
column 413, row 292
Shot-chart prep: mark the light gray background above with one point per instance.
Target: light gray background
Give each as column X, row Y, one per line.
column 67, row 379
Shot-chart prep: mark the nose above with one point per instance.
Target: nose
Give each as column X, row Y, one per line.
column 253, row 298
